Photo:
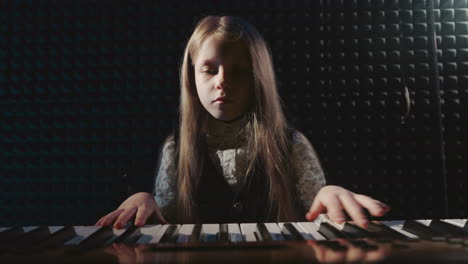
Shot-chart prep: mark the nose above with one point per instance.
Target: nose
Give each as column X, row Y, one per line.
column 221, row 82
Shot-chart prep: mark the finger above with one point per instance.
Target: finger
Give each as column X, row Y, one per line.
column 354, row 209
column 98, row 223
column 109, row 218
column 144, row 213
column 335, row 209
column 315, row 210
column 124, row 217
column 375, row 208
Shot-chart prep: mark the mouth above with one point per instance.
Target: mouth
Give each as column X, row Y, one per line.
column 222, row 100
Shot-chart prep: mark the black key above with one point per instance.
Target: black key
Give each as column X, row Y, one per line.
column 170, row 236
column 422, row 230
column 58, row 238
column 355, row 231
column 29, row 239
column 98, row 238
column 329, row 232
column 129, row 236
column 223, row 233
column 384, row 232
column 290, row 232
column 11, row 234
column 448, row 229
column 265, row 235
column 195, row 237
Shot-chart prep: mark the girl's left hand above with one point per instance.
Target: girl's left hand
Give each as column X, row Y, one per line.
column 334, row 199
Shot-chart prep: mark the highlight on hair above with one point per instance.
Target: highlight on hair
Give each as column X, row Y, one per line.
column 268, row 143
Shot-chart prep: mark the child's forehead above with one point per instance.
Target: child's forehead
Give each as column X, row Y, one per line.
column 215, row 48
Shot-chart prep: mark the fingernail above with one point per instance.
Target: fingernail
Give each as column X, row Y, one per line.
column 362, row 222
column 339, row 220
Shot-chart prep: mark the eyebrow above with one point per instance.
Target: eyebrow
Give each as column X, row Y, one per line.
column 205, row 62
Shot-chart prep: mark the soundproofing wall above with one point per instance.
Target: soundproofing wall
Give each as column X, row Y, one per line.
column 89, row 90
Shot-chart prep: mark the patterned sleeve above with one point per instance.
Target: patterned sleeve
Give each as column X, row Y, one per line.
column 310, row 176
column 165, row 186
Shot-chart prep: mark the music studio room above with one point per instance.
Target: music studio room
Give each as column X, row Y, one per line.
column 262, row 131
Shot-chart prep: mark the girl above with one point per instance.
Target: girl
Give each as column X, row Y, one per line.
column 235, row 159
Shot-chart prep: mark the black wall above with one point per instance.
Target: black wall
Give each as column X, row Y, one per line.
column 89, row 90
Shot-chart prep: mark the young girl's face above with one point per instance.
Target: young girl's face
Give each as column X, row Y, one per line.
column 223, row 76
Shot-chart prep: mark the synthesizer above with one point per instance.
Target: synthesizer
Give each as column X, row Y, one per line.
column 405, row 241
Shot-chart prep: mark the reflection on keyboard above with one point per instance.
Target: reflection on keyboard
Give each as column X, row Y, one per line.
column 421, row 241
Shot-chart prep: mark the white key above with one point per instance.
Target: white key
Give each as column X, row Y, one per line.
column 248, row 232
column 4, row 228
column 160, row 233
column 426, row 222
column 458, row 222
column 27, row 229
column 209, row 232
column 312, row 229
column 235, row 234
column 398, row 226
column 82, row 232
column 275, row 231
column 53, row 229
column 185, row 232
column 148, row 233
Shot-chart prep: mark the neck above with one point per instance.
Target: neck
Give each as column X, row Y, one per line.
column 224, row 134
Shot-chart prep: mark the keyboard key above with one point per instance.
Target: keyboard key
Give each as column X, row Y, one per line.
column 330, row 232
column 196, row 233
column 422, row 230
column 264, row 233
column 209, row 233
column 448, row 230
column 82, row 232
column 463, row 223
column 355, row 231
column 250, row 232
column 312, row 229
column 185, row 233
column 116, row 233
column 151, row 234
column 380, row 230
column 98, row 238
column 290, row 232
column 129, row 236
column 223, row 233
column 11, row 234
column 235, row 234
column 398, row 227
column 170, row 234
column 58, row 238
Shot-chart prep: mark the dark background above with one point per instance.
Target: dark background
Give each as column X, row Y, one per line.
column 89, row 90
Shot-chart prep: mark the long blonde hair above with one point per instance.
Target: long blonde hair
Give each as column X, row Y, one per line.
column 268, row 142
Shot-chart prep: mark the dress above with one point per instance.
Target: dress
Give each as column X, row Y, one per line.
column 229, row 157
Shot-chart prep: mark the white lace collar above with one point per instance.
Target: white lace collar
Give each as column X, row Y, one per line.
column 225, row 135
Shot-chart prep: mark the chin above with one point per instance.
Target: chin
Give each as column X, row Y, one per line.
column 224, row 118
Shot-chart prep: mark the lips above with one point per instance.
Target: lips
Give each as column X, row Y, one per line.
column 222, row 100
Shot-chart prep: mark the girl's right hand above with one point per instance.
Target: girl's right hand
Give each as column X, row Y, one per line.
column 141, row 205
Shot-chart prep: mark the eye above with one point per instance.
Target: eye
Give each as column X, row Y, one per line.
column 210, row 72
